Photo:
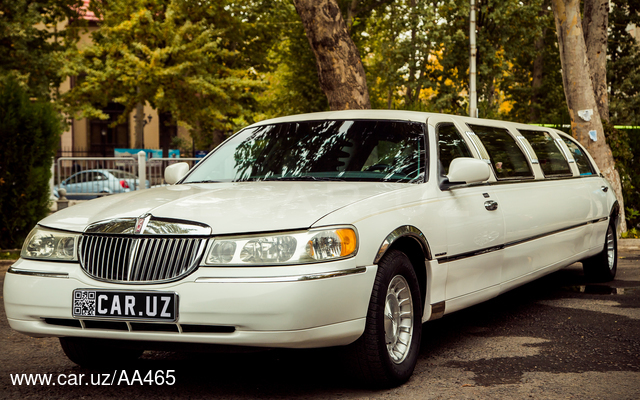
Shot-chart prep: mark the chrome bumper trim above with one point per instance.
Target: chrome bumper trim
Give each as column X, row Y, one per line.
column 44, row 274
column 437, row 310
column 275, row 279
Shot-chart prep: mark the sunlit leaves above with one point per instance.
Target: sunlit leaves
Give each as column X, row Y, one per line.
column 180, row 57
column 32, row 36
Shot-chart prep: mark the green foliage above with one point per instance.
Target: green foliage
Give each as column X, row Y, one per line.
column 9, row 255
column 504, row 29
column 32, row 37
column 397, row 42
column 293, row 86
column 416, row 54
column 632, row 233
column 29, row 134
column 623, row 66
column 546, row 102
column 630, row 175
column 181, row 56
column 625, row 150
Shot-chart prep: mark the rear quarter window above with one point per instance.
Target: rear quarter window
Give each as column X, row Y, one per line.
column 582, row 160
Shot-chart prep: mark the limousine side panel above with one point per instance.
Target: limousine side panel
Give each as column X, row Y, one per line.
column 534, row 210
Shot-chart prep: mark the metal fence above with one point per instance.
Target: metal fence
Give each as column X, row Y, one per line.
column 86, row 178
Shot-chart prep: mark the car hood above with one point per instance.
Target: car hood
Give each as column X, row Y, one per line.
column 226, row 207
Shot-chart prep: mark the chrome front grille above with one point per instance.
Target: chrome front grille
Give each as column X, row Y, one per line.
column 143, row 259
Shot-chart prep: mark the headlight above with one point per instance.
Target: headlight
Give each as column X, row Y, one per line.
column 315, row 245
column 47, row 244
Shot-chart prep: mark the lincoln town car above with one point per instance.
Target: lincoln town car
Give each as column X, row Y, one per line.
column 345, row 229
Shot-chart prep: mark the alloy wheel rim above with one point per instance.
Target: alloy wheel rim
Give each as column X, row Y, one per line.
column 398, row 319
column 611, row 252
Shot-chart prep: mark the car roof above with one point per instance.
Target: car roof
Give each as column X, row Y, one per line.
column 398, row 115
column 102, row 171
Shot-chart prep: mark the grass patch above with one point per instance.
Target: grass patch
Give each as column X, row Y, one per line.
column 632, row 233
column 9, row 255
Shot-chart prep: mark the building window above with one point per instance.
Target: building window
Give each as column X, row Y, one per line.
column 104, row 137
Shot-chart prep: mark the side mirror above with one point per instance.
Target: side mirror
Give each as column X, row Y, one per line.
column 464, row 170
column 173, row 173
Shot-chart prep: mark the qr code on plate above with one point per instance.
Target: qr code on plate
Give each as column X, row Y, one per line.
column 84, row 303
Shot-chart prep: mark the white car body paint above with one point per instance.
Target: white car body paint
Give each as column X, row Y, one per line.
column 472, row 254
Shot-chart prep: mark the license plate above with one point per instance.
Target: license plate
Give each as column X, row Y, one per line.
column 125, row 305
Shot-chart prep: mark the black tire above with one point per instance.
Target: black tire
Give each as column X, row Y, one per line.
column 97, row 353
column 377, row 358
column 603, row 266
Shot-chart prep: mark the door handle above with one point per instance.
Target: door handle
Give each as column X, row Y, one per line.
column 605, row 189
column 491, row 205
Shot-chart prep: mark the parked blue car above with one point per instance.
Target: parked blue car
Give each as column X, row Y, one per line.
column 92, row 183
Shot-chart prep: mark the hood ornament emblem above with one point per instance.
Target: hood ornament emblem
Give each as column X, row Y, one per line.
column 141, row 223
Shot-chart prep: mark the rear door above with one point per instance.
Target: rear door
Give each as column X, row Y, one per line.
column 594, row 185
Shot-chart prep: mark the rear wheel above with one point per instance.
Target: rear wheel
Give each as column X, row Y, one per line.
column 97, row 353
column 386, row 353
column 603, row 266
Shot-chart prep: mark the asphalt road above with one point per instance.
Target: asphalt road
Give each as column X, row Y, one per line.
column 557, row 338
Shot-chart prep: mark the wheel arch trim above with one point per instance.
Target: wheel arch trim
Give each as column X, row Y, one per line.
column 615, row 213
column 404, row 231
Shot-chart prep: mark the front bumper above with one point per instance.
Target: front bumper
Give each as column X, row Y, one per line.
column 306, row 306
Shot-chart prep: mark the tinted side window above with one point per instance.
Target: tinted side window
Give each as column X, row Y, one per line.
column 582, row 161
column 450, row 145
column 550, row 156
column 79, row 178
column 507, row 159
column 96, row 176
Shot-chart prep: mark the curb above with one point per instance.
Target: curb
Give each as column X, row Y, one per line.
column 628, row 244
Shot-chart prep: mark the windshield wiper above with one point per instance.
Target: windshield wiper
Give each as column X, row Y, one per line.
column 206, row 181
column 303, row 178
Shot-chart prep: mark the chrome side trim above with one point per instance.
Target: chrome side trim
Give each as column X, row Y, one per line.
column 460, row 256
column 567, row 154
column 279, row 279
column 403, row 231
column 44, row 274
column 528, row 149
column 477, row 144
column 525, row 180
column 437, row 310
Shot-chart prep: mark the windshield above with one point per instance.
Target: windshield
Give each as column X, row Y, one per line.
column 360, row 150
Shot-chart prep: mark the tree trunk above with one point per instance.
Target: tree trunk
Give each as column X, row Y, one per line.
column 340, row 71
column 579, row 92
column 596, row 20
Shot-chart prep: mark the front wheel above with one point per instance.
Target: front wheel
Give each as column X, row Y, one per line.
column 603, row 266
column 386, row 353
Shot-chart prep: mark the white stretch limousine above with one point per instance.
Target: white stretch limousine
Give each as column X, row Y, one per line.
column 332, row 229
